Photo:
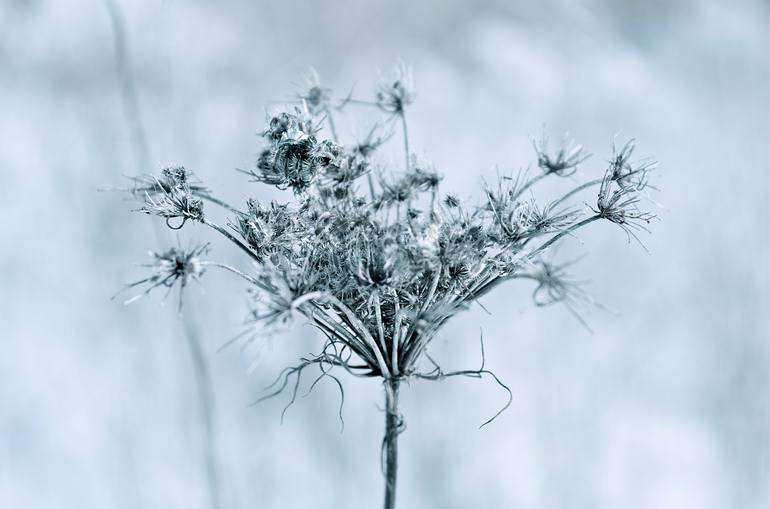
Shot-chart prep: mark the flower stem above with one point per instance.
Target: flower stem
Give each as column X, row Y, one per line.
column 406, row 138
column 133, row 119
column 562, row 233
column 390, row 441
column 576, row 190
column 235, row 271
column 224, row 205
column 206, row 401
column 232, row 239
column 332, row 127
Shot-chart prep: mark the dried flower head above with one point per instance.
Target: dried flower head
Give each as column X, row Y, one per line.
column 564, row 162
column 619, row 199
column 172, row 197
column 625, row 172
column 169, row 178
column 395, row 92
column 316, row 97
column 268, row 231
column 452, row 201
column 292, row 156
column 553, row 284
column 175, row 265
column 374, row 139
column 379, row 268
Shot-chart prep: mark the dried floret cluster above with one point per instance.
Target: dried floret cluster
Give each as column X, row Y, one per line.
column 379, row 262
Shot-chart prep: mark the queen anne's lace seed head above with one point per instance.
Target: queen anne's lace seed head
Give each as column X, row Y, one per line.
column 172, row 199
column 176, row 266
column 371, row 255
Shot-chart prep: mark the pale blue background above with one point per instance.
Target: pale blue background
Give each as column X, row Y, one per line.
column 665, row 405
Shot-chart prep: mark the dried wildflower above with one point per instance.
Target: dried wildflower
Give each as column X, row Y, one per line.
column 267, row 230
column 625, row 173
column 169, row 178
column 175, row 265
column 553, row 284
column 395, row 191
column 375, row 138
column 451, row 201
column 375, row 263
column 515, row 220
column 289, row 160
column 172, row 200
column 380, row 272
column 619, row 199
column 396, row 92
column 288, row 289
column 424, row 179
column 316, row 97
column 546, row 219
column 340, row 168
column 566, row 160
column 407, row 187
column 290, row 127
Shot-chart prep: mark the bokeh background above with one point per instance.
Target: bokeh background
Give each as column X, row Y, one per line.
column 664, row 405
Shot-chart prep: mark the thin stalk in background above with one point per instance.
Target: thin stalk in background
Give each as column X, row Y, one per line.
column 205, row 391
column 141, row 152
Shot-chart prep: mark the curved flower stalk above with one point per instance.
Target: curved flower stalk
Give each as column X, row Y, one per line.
column 379, row 273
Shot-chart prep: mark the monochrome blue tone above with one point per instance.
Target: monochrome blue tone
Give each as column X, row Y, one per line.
column 662, row 403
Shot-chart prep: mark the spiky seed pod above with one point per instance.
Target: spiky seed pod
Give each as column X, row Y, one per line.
column 396, row 92
column 174, row 266
column 316, row 97
column 452, row 201
column 626, row 173
column 553, row 284
column 374, row 140
column 170, row 177
column 173, row 199
column 267, row 230
column 564, row 162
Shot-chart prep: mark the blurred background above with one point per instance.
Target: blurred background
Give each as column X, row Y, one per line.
column 664, row 405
